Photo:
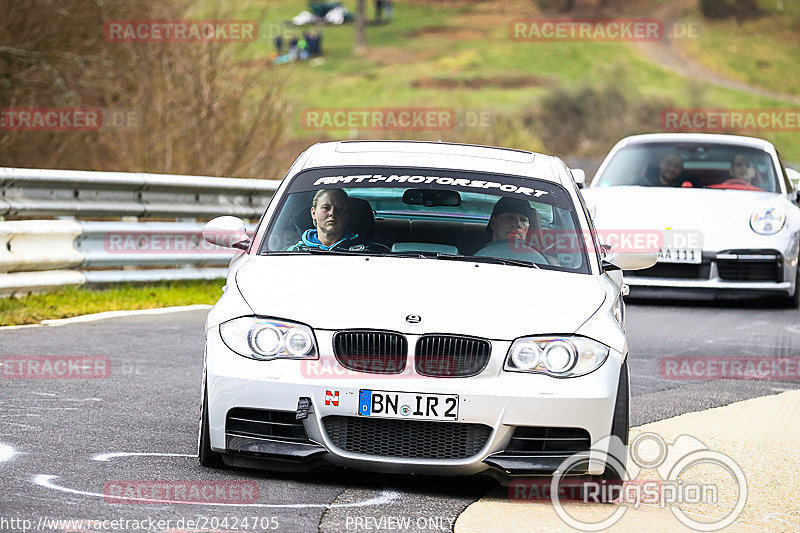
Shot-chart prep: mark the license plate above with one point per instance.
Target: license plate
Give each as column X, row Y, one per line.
column 680, row 255
column 413, row 405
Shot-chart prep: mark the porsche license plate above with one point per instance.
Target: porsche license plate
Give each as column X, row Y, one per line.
column 680, row 255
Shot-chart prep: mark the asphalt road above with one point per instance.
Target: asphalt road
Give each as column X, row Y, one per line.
column 54, row 433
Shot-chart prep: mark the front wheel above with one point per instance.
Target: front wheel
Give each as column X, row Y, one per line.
column 606, row 487
column 205, row 455
column 613, row 477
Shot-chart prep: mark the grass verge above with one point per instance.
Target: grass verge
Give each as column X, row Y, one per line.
column 763, row 52
column 75, row 301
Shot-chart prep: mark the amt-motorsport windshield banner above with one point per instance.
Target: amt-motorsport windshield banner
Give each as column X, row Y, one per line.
column 477, row 182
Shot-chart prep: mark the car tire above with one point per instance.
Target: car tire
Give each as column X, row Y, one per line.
column 620, row 428
column 205, row 455
column 620, row 425
column 610, row 480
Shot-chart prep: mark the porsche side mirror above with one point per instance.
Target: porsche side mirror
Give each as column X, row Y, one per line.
column 629, row 260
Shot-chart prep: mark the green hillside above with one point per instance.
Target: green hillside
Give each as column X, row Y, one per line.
column 458, row 54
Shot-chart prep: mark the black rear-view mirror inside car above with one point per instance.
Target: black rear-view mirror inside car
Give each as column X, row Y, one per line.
column 431, row 198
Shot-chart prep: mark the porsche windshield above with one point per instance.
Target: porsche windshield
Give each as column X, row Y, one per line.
column 714, row 166
column 436, row 214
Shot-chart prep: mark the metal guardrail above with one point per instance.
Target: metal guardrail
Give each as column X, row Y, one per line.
column 45, row 193
column 37, row 255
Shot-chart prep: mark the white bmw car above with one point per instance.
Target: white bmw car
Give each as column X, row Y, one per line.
column 403, row 307
column 723, row 207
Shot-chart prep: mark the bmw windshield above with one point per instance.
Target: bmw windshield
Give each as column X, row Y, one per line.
column 427, row 213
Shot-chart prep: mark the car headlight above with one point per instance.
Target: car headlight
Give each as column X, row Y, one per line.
column 562, row 357
column 767, row 220
column 265, row 338
column 526, row 355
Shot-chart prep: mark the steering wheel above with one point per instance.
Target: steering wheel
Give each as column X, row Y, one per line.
column 505, row 249
column 373, row 247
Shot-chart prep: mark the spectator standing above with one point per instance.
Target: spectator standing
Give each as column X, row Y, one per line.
column 314, row 40
column 302, row 48
column 293, row 50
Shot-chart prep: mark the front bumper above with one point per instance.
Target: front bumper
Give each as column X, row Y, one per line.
column 498, row 400
column 739, row 273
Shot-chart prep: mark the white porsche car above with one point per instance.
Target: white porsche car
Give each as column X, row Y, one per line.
column 401, row 308
column 724, row 207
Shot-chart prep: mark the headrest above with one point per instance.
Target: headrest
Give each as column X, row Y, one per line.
column 360, row 219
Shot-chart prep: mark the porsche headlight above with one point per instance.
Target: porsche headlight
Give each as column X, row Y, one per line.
column 563, row 357
column 767, row 220
column 264, row 338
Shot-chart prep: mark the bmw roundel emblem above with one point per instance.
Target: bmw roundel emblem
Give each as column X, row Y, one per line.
column 413, row 319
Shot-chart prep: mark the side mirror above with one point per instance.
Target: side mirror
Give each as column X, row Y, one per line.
column 794, row 177
column 629, row 260
column 579, row 176
column 228, row 232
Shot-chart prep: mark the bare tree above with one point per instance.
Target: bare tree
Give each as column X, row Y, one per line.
column 197, row 111
column 361, row 21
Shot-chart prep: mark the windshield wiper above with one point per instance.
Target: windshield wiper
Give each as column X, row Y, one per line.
column 317, row 251
column 413, row 255
column 486, row 259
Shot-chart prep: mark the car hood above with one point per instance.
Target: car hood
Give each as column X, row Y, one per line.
column 485, row 300
column 711, row 213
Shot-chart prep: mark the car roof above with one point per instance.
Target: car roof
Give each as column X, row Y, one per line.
column 710, row 138
column 429, row 154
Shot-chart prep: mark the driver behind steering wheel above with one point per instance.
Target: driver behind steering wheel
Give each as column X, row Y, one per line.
column 511, row 218
column 509, row 225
